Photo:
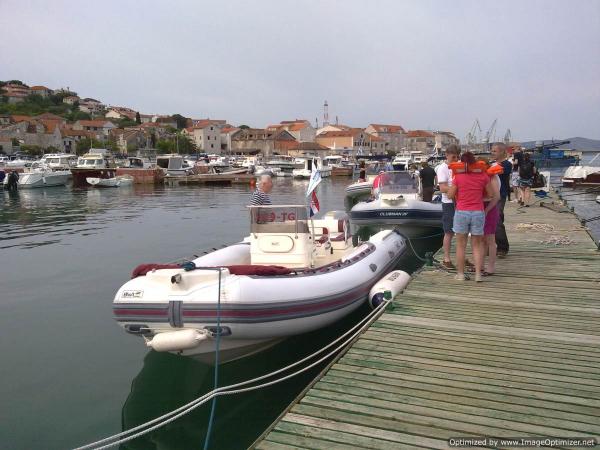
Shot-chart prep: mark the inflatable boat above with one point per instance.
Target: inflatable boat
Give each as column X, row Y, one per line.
column 397, row 203
column 290, row 276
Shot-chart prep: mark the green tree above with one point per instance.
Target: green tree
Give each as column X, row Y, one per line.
column 126, row 122
column 165, row 146
column 181, row 121
column 138, row 119
column 84, row 145
column 244, row 127
column 32, row 150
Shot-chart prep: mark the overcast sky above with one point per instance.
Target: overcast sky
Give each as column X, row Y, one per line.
column 533, row 65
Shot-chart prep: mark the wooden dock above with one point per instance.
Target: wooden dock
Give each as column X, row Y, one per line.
column 515, row 356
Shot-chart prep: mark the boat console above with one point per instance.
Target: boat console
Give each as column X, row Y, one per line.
column 283, row 235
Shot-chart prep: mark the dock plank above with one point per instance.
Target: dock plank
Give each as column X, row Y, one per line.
column 516, row 355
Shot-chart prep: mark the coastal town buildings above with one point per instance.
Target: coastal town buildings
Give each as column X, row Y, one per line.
column 306, row 149
column 91, row 106
column 443, row 139
column 392, row 135
column 260, row 140
column 420, row 140
column 302, row 130
column 99, row 128
column 354, row 141
column 206, row 134
column 119, row 112
column 42, row 91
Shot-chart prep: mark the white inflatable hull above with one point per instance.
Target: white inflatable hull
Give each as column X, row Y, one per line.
column 254, row 310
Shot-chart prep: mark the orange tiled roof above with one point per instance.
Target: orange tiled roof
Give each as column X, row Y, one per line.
column 345, row 133
column 419, row 133
column 20, row 118
column 297, row 126
column 390, row 128
column 94, row 123
column 39, row 88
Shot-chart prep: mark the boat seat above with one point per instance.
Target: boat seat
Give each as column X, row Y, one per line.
column 281, row 249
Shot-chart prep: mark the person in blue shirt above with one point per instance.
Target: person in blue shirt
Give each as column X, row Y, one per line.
column 500, row 154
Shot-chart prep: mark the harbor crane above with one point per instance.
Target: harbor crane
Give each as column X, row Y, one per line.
column 507, row 136
column 489, row 134
column 473, row 135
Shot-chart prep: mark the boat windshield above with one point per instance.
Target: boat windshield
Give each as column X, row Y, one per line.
column 397, row 182
column 279, row 219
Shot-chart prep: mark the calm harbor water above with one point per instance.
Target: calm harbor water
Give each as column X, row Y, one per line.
column 69, row 374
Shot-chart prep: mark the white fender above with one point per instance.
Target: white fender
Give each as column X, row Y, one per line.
column 173, row 341
column 388, row 287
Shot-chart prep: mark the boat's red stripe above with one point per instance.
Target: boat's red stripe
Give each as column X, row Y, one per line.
column 141, row 312
column 246, row 312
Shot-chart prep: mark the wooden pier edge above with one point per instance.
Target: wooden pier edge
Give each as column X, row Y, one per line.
column 516, row 355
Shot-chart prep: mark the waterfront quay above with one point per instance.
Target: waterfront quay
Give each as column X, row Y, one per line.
column 516, row 355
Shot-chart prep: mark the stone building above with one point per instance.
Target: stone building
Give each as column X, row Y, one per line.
column 392, row 135
column 259, row 140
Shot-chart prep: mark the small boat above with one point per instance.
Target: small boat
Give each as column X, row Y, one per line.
column 397, row 203
column 598, row 199
column 103, row 182
column 290, row 276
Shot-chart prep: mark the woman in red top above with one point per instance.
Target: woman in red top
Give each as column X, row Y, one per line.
column 468, row 190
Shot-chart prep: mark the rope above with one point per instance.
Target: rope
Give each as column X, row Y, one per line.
column 228, row 390
column 218, row 341
column 423, row 237
column 557, row 240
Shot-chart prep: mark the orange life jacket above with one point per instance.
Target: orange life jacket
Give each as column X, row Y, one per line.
column 477, row 167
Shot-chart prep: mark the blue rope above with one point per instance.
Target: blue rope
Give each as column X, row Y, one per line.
column 216, row 383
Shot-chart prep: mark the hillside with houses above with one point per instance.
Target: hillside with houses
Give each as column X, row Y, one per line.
column 38, row 119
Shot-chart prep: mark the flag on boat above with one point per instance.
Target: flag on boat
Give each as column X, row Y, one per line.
column 315, row 179
column 314, row 204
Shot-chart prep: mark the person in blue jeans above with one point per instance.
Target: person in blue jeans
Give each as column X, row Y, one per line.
column 469, row 189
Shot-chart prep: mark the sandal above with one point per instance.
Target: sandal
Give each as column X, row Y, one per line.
column 485, row 273
column 469, row 266
column 448, row 265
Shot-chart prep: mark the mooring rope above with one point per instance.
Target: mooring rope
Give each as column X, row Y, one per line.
column 229, row 390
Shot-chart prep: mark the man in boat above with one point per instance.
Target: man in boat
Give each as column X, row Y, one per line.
column 444, row 178
column 500, row 154
column 260, row 196
column 427, row 176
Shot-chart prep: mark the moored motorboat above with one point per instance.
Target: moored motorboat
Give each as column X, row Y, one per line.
column 40, row 178
column 97, row 163
column 398, row 204
column 588, row 175
column 310, row 163
column 291, row 275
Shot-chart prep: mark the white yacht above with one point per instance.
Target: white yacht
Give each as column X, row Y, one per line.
column 40, row 175
column 310, row 163
column 59, row 161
